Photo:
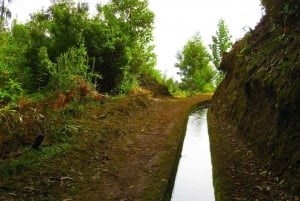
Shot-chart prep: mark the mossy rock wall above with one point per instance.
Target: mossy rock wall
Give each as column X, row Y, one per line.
column 261, row 90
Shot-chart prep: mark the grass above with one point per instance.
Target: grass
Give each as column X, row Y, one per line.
column 31, row 159
column 93, row 150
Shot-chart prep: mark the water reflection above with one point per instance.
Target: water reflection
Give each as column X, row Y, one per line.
column 194, row 175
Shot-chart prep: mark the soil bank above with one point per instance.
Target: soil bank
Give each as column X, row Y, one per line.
column 125, row 150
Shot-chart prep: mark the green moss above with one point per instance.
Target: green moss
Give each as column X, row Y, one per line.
column 260, row 93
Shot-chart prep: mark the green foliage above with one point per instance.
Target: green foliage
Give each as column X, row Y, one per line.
column 49, row 34
column 128, row 29
column 174, row 88
column 12, row 69
column 62, row 47
column 70, row 70
column 57, row 127
column 31, row 159
column 117, row 40
column 11, row 91
column 47, row 52
column 31, row 37
column 5, row 13
column 194, row 65
column 221, row 43
column 128, row 83
column 282, row 10
column 65, row 26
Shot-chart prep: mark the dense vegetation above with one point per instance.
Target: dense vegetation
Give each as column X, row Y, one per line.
column 112, row 49
column 58, row 62
column 200, row 70
column 221, row 44
column 260, row 92
column 61, row 59
column 194, row 66
column 115, row 43
column 64, row 57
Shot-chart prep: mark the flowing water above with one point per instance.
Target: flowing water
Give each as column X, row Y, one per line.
column 194, row 175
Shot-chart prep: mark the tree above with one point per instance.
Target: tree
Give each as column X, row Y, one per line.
column 118, row 40
column 66, row 24
column 194, row 65
column 221, row 43
column 5, row 13
column 129, row 26
column 12, row 67
column 55, row 31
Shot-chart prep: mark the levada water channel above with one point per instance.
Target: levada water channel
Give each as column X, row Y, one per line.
column 193, row 180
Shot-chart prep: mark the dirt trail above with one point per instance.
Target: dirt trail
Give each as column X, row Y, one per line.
column 140, row 161
column 124, row 151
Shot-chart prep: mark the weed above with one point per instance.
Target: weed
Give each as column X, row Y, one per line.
column 31, row 159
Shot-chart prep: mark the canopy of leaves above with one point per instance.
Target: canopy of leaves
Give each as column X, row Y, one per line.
column 221, row 43
column 194, row 65
column 12, row 69
column 5, row 13
column 117, row 41
column 129, row 26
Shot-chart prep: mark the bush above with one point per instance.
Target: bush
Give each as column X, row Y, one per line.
column 70, row 70
column 13, row 73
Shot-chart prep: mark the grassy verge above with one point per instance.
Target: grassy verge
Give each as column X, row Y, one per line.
column 31, row 159
column 127, row 147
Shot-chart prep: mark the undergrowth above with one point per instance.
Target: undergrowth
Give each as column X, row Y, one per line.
column 31, row 159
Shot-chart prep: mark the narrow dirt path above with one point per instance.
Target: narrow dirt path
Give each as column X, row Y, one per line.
column 141, row 160
column 124, row 150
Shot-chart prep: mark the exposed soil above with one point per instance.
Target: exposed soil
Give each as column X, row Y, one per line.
column 125, row 150
column 256, row 109
column 240, row 174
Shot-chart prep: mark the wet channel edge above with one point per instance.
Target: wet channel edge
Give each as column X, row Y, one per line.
column 172, row 176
